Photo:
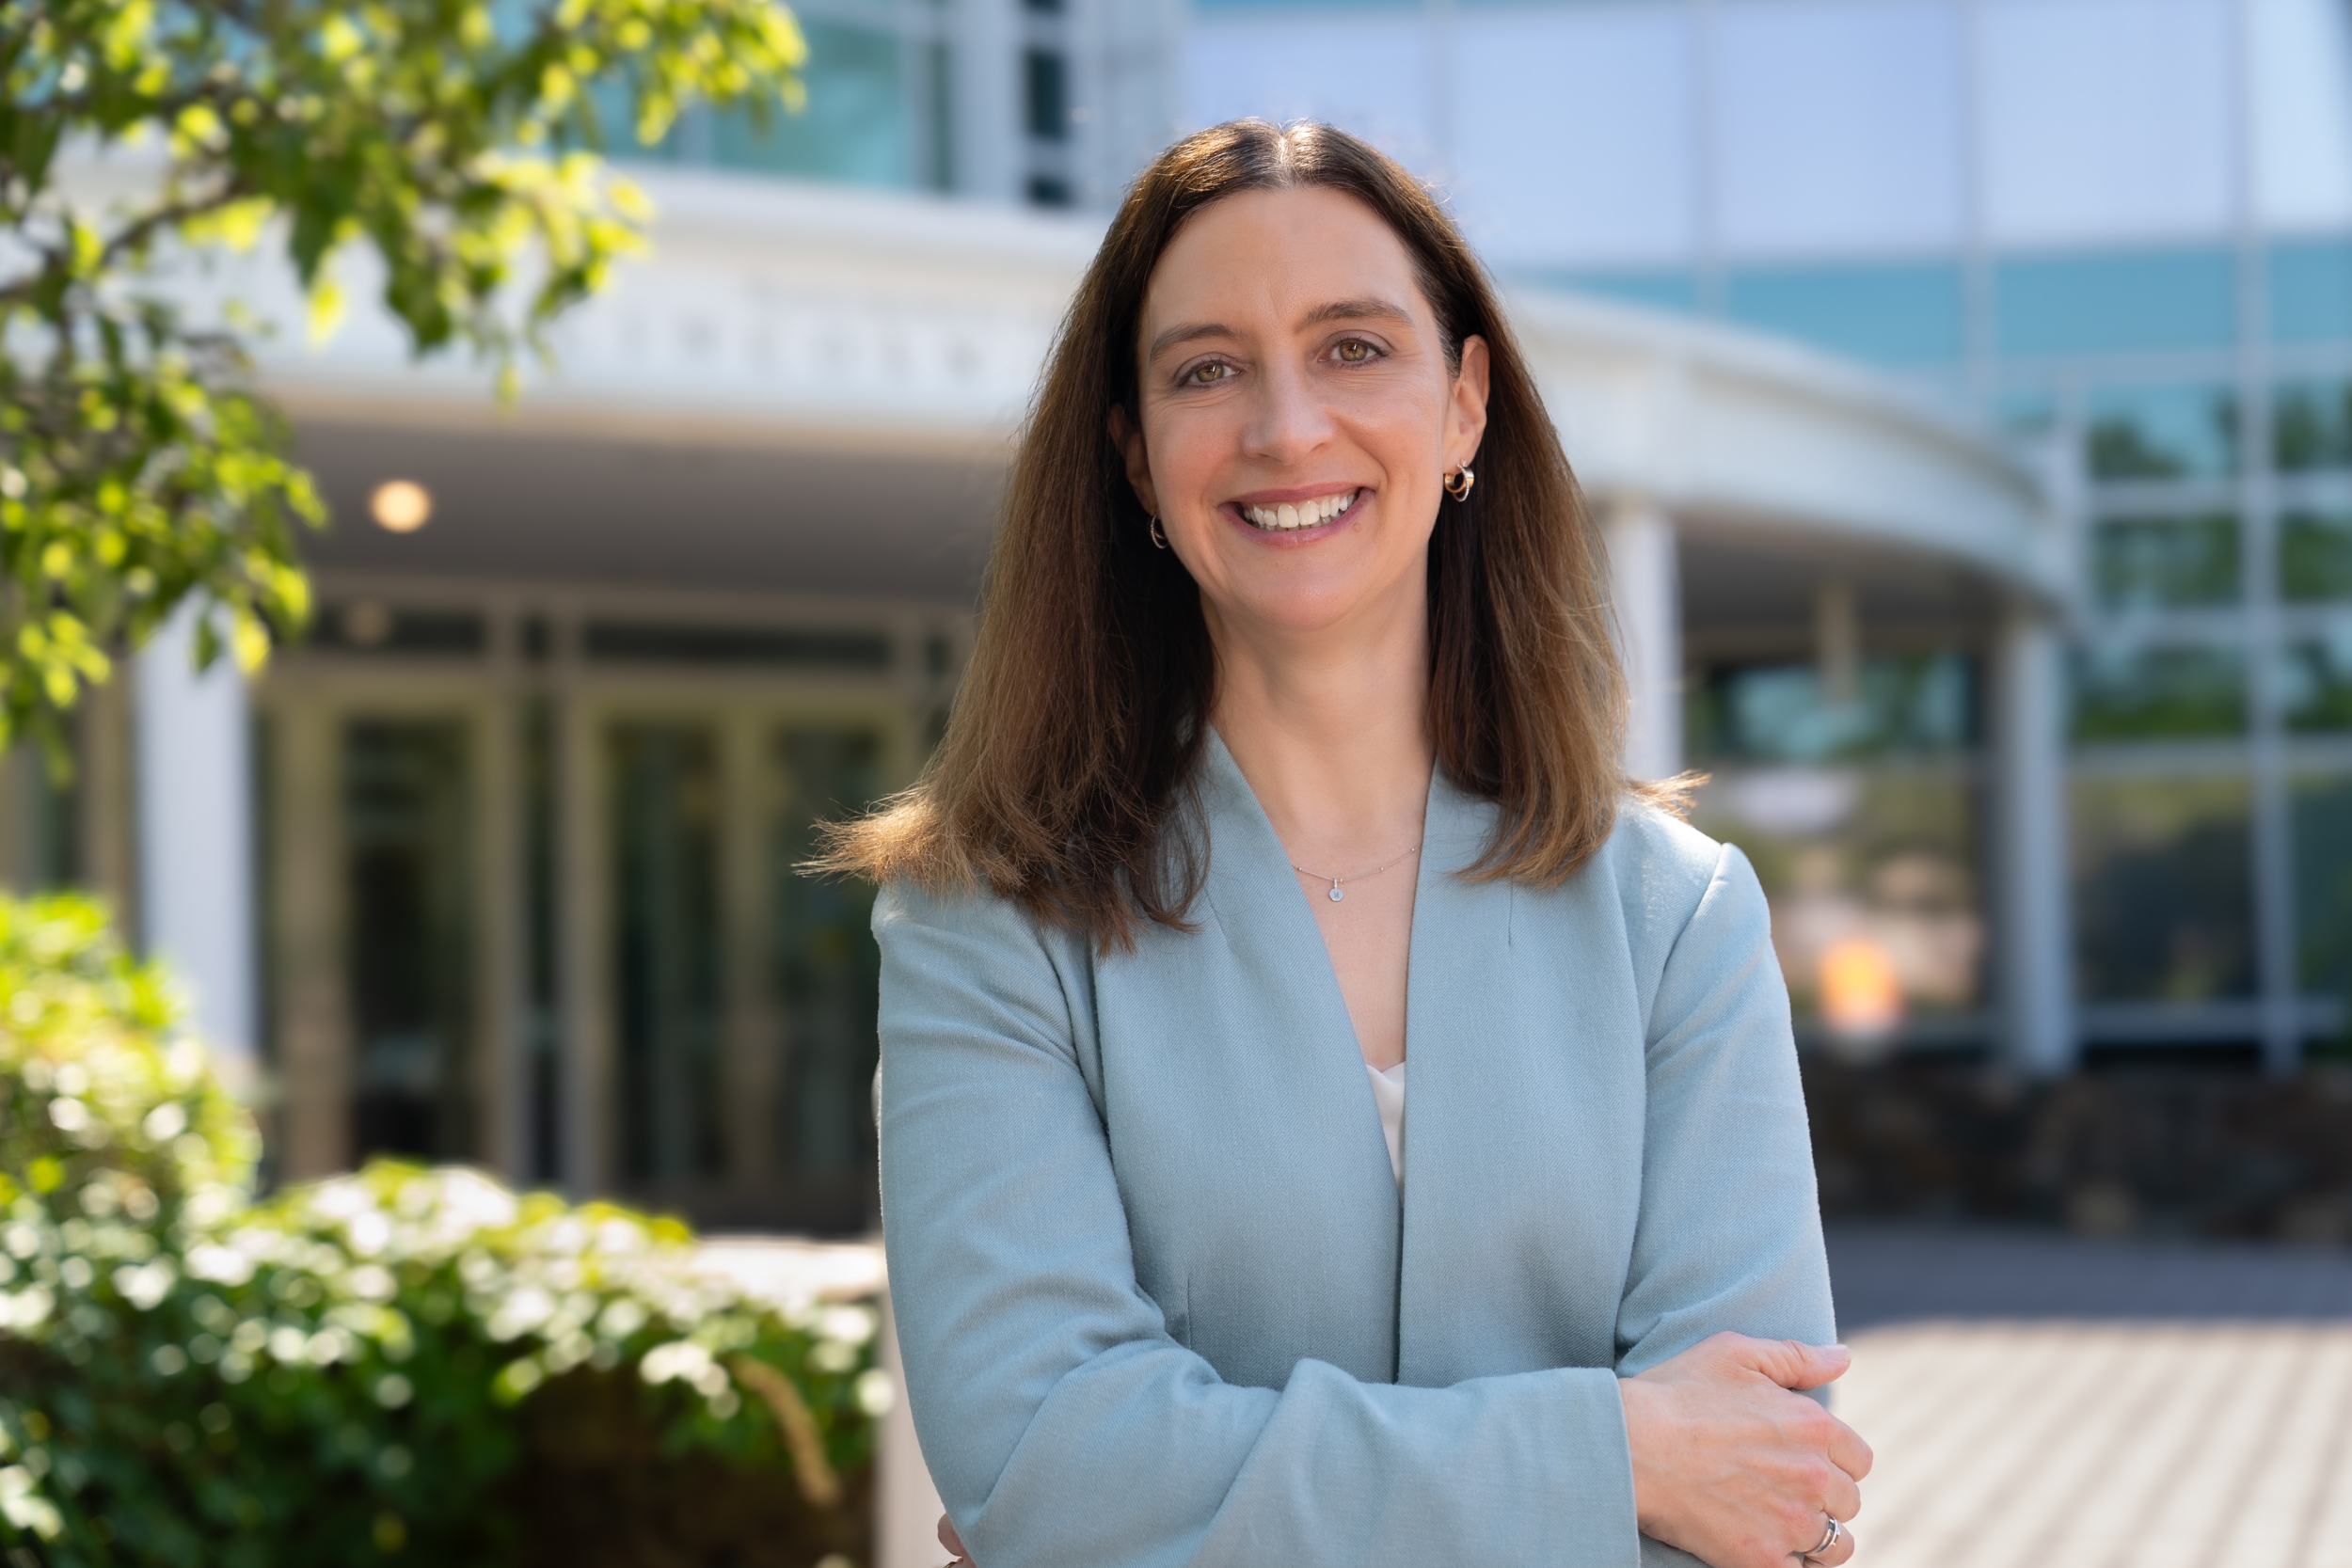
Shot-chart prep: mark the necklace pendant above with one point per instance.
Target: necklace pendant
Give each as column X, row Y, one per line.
column 1336, row 893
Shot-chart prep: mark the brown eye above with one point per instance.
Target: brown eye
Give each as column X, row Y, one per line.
column 1354, row 352
column 1209, row 375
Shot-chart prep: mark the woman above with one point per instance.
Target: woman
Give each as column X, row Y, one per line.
column 1287, row 761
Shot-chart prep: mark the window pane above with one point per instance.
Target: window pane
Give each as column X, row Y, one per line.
column 2312, row 425
column 1673, row 290
column 2110, row 303
column 1777, row 713
column 855, row 127
column 2163, row 896
column 668, row 1003
column 2323, row 882
column 407, row 870
column 2316, row 556
column 2125, row 692
column 828, row 977
column 2311, row 292
column 2317, row 681
column 2164, row 562
column 2162, row 432
column 1865, row 870
column 1046, row 78
column 1887, row 315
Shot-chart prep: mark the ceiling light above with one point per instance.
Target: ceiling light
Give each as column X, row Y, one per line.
column 401, row 505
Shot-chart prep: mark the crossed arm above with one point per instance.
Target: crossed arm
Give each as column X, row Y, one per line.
column 1064, row 1425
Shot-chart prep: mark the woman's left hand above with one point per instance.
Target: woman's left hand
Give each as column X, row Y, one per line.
column 954, row 1542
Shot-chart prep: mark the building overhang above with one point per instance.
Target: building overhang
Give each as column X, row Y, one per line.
column 832, row 379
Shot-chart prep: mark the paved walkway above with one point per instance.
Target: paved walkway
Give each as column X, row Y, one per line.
column 2040, row 1400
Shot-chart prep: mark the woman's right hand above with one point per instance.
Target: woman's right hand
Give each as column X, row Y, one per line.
column 954, row 1542
column 1735, row 1467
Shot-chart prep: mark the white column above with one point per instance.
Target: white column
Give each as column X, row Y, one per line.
column 2032, row 911
column 1647, row 591
column 193, row 777
column 906, row 1504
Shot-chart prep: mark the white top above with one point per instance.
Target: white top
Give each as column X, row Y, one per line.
column 1388, row 1092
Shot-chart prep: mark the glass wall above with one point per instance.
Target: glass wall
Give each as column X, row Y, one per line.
column 407, row 843
column 828, row 977
column 1862, row 819
column 668, row 1002
column 2162, row 890
column 878, row 110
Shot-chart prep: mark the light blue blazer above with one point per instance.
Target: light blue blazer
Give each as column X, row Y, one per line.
column 1158, row 1297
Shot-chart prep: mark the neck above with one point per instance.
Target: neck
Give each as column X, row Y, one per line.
column 1330, row 727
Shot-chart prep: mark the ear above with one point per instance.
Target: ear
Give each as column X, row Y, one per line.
column 1127, row 436
column 1466, row 416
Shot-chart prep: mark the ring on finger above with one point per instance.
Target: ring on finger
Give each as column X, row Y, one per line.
column 1833, row 1533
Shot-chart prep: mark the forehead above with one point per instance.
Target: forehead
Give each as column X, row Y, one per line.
column 1262, row 258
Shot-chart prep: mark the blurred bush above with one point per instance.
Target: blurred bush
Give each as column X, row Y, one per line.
column 399, row 1366
column 2137, row 1149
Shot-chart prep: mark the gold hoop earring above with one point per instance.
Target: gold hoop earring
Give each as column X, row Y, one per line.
column 1158, row 540
column 1458, row 483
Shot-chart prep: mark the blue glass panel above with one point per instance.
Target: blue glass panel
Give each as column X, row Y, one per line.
column 2310, row 425
column 1779, row 713
column 2316, row 683
column 2125, row 692
column 855, row 129
column 2316, row 556
column 1667, row 289
column 2323, row 884
column 2163, row 889
column 2115, row 303
column 2311, row 290
column 1245, row 7
column 1894, row 315
column 2162, row 432
column 2164, row 562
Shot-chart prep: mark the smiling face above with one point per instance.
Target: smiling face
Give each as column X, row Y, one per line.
column 1298, row 414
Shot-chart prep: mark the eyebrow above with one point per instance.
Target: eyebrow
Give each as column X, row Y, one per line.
column 1367, row 309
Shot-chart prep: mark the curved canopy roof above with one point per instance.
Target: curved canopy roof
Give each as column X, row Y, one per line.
column 852, row 367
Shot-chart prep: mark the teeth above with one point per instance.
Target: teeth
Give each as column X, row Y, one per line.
column 1288, row 518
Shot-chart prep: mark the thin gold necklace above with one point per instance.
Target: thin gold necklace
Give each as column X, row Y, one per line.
column 1358, row 877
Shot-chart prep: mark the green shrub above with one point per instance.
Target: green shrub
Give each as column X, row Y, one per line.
column 399, row 1366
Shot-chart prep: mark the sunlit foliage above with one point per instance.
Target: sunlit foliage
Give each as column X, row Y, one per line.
column 339, row 1374
column 449, row 142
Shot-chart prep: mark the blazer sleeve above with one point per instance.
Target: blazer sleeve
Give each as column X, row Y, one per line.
column 1729, row 1235
column 1065, row 1428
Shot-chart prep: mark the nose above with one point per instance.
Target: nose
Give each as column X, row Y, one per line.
column 1288, row 422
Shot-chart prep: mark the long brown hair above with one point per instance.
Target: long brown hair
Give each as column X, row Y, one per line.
column 1072, row 745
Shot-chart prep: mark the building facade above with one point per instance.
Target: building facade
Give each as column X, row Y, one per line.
column 2040, row 740
column 2124, row 226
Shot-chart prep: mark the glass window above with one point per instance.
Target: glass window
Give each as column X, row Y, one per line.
column 405, row 843
column 2115, row 302
column 1887, row 315
column 2316, row 556
column 2139, row 432
column 2310, row 425
column 855, row 128
column 2311, row 290
column 667, row 994
column 2316, row 683
column 2322, row 817
column 1921, row 705
column 2164, row 562
column 828, row 977
column 1045, row 77
column 2131, row 691
column 1663, row 290
column 1877, row 917
column 2026, row 411
column 2162, row 890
